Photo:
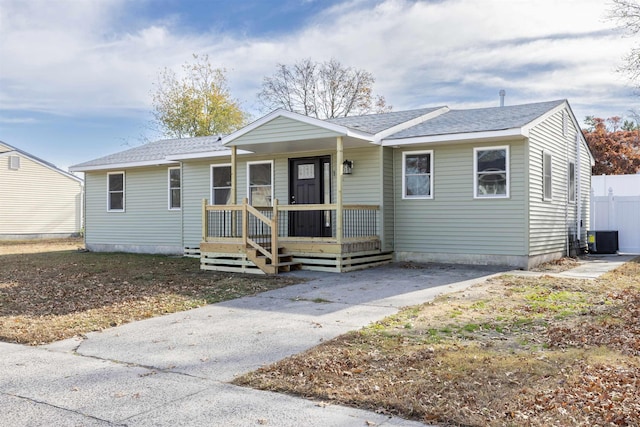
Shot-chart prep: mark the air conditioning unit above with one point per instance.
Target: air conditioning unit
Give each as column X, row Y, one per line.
column 602, row 242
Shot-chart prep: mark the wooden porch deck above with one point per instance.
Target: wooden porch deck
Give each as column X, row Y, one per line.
column 247, row 239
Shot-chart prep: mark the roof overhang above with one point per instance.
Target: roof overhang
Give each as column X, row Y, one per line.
column 497, row 135
column 161, row 162
column 206, row 155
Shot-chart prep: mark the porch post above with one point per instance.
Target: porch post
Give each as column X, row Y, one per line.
column 233, row 198
column 233, row 175
column 339, row 160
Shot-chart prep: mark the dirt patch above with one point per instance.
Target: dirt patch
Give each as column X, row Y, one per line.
column 50, row 290
column 558, row 266
column 532, row 351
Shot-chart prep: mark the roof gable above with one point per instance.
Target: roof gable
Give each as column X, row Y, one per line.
column 7, row 150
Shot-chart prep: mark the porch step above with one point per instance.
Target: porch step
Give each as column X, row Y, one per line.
column 284, row 262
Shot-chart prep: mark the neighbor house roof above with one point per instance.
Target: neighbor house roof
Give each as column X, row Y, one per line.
column 154, row 153
column 479, row 120
column 12, row 150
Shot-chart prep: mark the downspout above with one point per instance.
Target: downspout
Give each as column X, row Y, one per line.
column 393, row 192
column 566, row 199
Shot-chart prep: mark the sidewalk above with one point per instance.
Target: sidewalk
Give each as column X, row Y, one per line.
column 175, row 370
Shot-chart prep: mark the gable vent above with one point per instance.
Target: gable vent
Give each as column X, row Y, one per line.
column 14, row 163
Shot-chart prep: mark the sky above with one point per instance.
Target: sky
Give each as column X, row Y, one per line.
column 77, row 76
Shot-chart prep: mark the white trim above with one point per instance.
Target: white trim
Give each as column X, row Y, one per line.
column 169, row 169
column 221, row 165
column 124, row 165
column 535, row 122
column 546, row 153
column 404, row 180
column 249, row 181
column 124, row 191
column 409, row 123
column 206, row 154
column 461, row 137
column 475, row 173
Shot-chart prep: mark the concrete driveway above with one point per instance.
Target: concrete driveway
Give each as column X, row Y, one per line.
column 175, row 370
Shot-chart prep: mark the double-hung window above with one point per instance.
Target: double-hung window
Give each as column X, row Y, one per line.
column 547, row 182
column 491, row 172
column 417, row 175
column 174, row 188
column 260, row 183
column 115, row 191
column 221, row 184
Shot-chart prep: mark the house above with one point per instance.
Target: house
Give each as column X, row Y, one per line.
column 505, row 185
column 36, row 198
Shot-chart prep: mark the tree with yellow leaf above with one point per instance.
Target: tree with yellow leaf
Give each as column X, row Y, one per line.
column 199, row 104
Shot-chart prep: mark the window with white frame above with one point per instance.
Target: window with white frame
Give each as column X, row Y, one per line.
column 259, row 180
column 220, row 184
column 572, row 182
column 417, row 175
column 115, row 191
column 547, row 182
column 174, row 188
column 491, row 172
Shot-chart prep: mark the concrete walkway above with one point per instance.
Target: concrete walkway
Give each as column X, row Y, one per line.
column 175, row 370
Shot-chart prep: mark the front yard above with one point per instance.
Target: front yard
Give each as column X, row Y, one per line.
column 51, row 290
column 510, row 352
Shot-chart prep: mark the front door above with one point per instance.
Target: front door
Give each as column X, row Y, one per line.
column 310, row 183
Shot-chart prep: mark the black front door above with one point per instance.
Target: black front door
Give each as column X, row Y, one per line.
column 310, row 183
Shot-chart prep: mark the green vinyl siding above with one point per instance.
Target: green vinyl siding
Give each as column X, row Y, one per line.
column 361, row 187
column 146, row 221
column 453, row 222
column 550, row 221
column 387, row 199
column 283, row 129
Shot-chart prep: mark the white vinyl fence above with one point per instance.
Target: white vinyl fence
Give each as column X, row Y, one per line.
column 617, row 212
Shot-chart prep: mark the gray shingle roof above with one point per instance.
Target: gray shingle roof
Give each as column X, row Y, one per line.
column 158, row 150
column 374, row 123
column 478, row 120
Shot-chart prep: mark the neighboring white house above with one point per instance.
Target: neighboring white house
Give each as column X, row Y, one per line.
column 36, row 198
column 501, row 185
column 615, row 206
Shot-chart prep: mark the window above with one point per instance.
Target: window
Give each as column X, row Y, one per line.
column 572, row 182
column 547, row 184
column 417, row 182
column 220, row 184
column 115, row 191
column 259, row 178
column 491, row 172
column 174, row 188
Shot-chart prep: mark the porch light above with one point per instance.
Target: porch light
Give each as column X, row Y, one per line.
column 347, row 167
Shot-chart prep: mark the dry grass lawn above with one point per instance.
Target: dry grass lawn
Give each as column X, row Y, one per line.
column 50, row 290
column 513, row 351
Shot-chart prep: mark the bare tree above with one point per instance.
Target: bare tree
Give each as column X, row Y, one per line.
column 627, row 14
column 321, row 90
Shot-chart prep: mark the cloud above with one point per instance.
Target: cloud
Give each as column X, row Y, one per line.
column 93, row 57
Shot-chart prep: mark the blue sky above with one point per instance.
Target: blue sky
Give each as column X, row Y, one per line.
column 76, row 76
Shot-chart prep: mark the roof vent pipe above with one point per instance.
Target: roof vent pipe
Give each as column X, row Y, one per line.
column 502, row 93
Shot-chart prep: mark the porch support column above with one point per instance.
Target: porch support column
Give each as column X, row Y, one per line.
column 339, row 169
column 233, row 175
column 233, row 198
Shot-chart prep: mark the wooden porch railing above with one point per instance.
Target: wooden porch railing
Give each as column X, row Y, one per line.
column 262, row 227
